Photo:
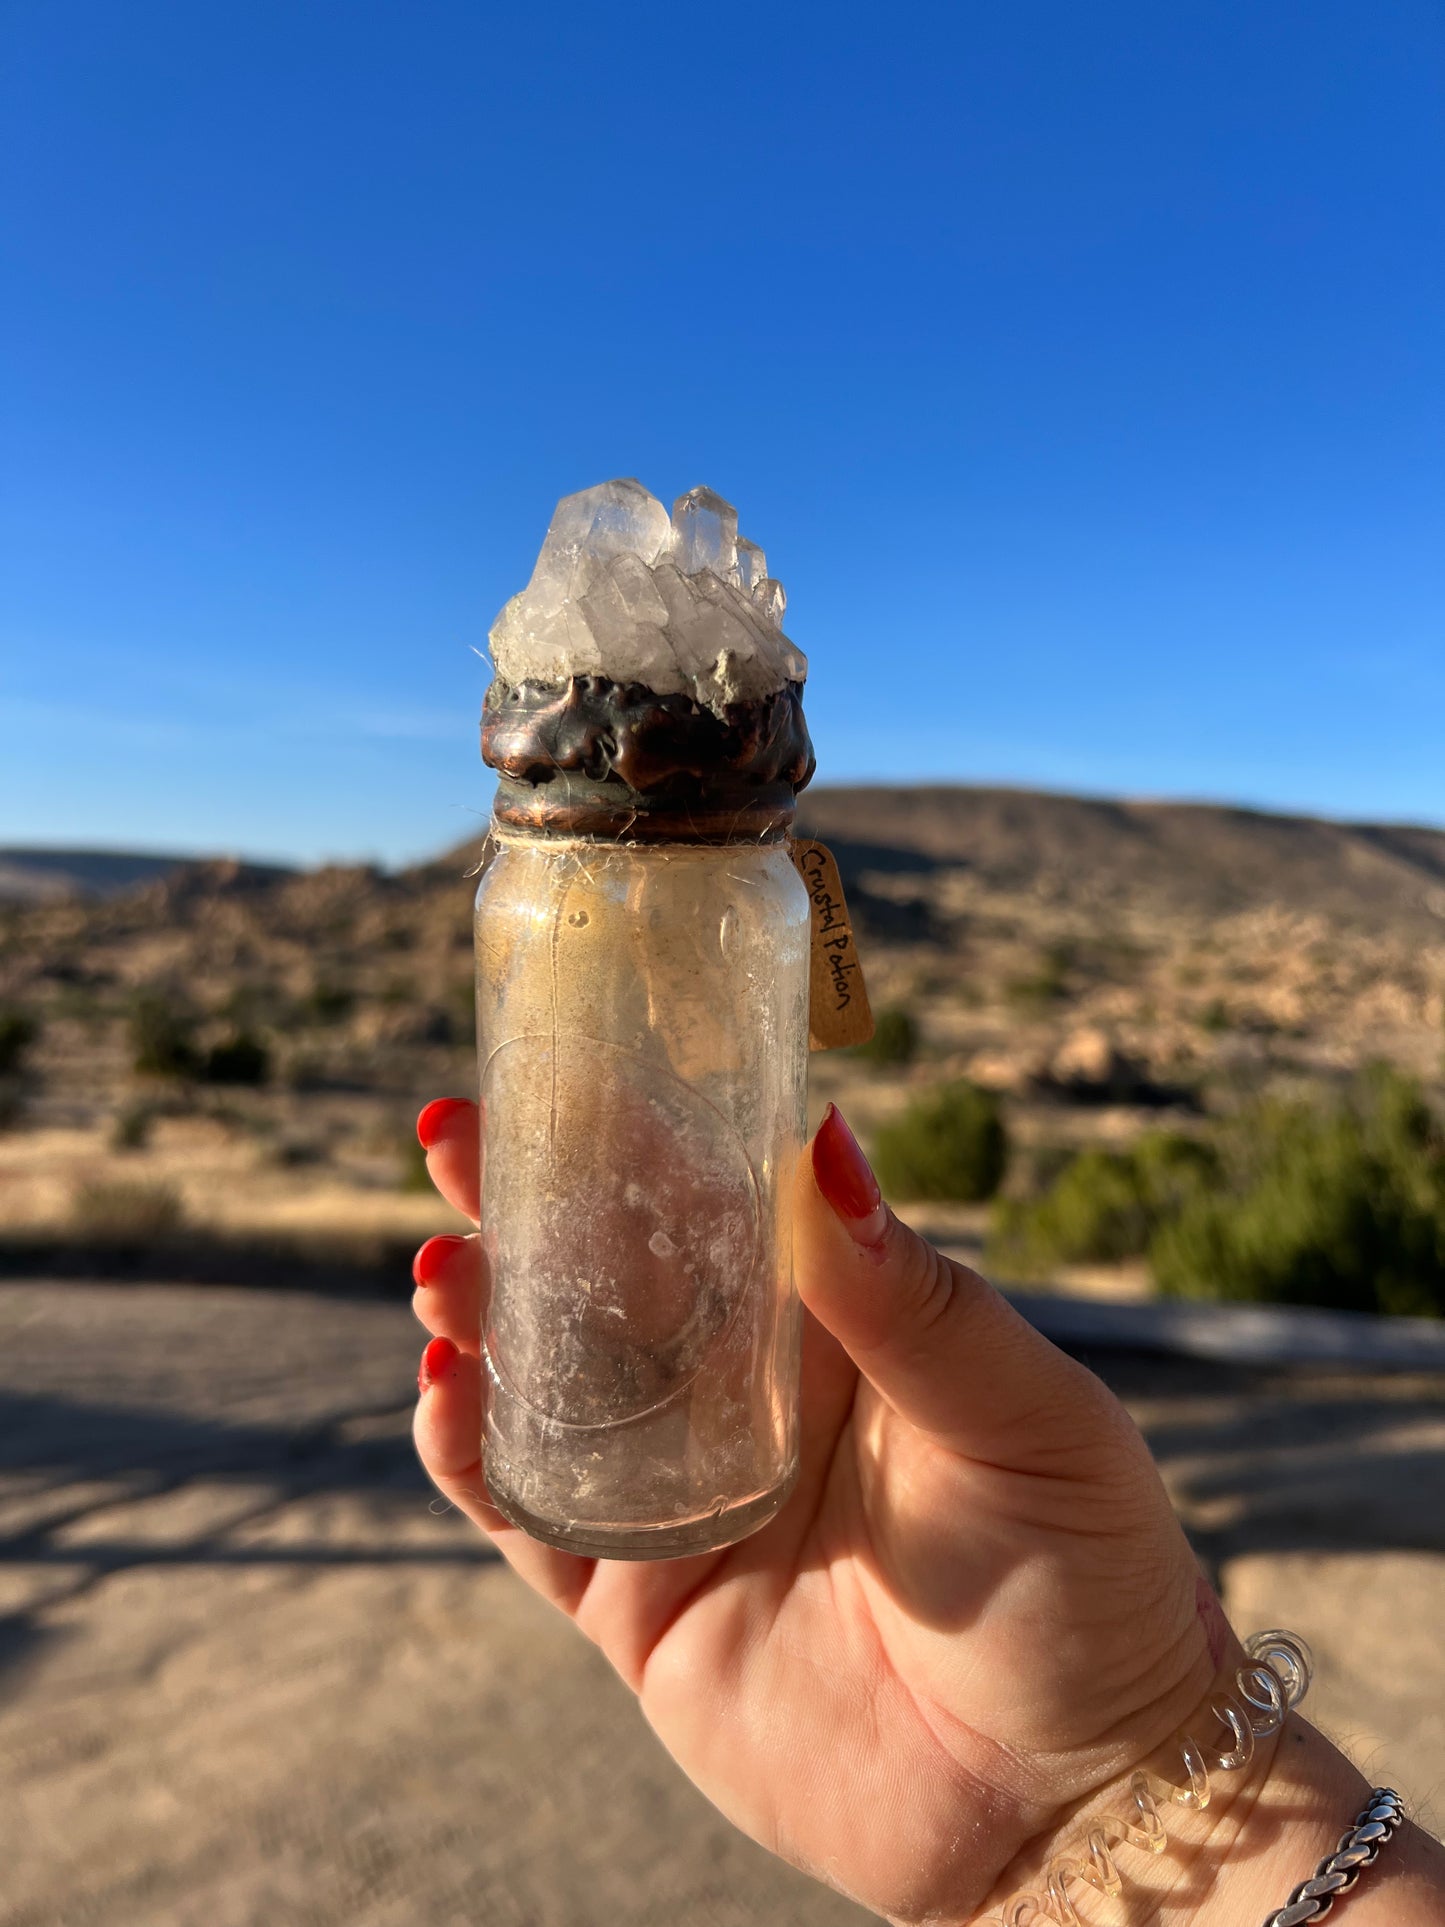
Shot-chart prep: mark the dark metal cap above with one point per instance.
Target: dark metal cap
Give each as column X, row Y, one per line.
column 598, row 758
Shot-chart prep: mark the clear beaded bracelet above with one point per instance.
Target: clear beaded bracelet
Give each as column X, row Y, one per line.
column 1265, row 1692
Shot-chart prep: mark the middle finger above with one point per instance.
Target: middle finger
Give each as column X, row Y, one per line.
column 447, row 1272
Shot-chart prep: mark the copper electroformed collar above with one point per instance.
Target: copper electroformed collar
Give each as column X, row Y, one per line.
column 594, row 757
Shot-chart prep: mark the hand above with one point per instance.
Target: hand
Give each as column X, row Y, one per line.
column 976, row 1608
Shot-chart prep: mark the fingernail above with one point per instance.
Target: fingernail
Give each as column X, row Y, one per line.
column 435, row 1121
column 846, row 1179
column 431, row 1261
column 436, row 1361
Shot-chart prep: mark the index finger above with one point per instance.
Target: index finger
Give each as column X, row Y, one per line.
column 449, row 1130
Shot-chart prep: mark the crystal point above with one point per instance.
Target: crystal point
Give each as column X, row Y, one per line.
column 772, row 598
column 615, row 518
column 706, row 533
column 680, row 604
column 752, row 565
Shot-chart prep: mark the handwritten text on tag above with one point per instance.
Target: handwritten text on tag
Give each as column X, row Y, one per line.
column 838, row 1012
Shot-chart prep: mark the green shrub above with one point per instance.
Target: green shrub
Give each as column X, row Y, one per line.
column 160, row 1038
column 1103, row 1206
column 295, row 1153
column 132, row 1128
column 125, row 1215
column 330, row 1003
column 18, row 1031
column 1092, row 1211
column 1037, row 991
column 241, row 1059
column 950, row 1144
column 1341, row 1206
column 1046, row 985
column 894, row 1040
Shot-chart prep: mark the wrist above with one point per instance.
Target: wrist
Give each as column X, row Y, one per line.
column 1235, row 1862
column 1275, row 1834
column 1310, row 1797
column 1161, row 1831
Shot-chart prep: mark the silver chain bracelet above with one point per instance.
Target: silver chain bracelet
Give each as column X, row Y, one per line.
column 1312, row 1899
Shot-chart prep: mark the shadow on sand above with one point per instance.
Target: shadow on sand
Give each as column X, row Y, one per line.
column 1258, row 1460
column 71, row 1462
column 1284, row 1461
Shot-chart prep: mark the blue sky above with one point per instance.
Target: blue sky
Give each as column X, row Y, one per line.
column 1078, row 367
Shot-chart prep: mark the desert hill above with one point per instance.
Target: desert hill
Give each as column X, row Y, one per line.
column 1056, row 948
column 49, row 875
column 1180, row 857
column 1189, row 858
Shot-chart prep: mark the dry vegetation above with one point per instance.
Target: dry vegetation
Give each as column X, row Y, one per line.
column 226, row 1056
column 231, row 1055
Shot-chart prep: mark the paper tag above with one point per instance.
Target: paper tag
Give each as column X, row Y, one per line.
column 838, row 1012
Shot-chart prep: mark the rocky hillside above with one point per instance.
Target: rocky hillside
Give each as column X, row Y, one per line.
column 1096, row 962
column 1161, row 857
column 51, row 875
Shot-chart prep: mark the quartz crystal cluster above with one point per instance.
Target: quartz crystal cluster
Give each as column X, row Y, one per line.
column 680, row 603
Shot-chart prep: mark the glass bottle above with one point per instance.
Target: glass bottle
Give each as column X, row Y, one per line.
column 642, row 1021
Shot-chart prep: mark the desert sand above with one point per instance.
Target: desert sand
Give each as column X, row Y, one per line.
column 251, row 1672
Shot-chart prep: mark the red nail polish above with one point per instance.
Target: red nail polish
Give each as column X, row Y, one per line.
column 436, row 1119
column 433, row 1258
column 436, row 1361
column 846, row 1179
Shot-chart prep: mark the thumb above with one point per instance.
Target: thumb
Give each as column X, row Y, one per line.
column 938, row 1343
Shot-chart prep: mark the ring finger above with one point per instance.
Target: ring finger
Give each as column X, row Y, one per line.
column 447, row 1272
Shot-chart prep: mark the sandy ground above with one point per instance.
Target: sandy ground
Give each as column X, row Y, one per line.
column 249, row 1674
